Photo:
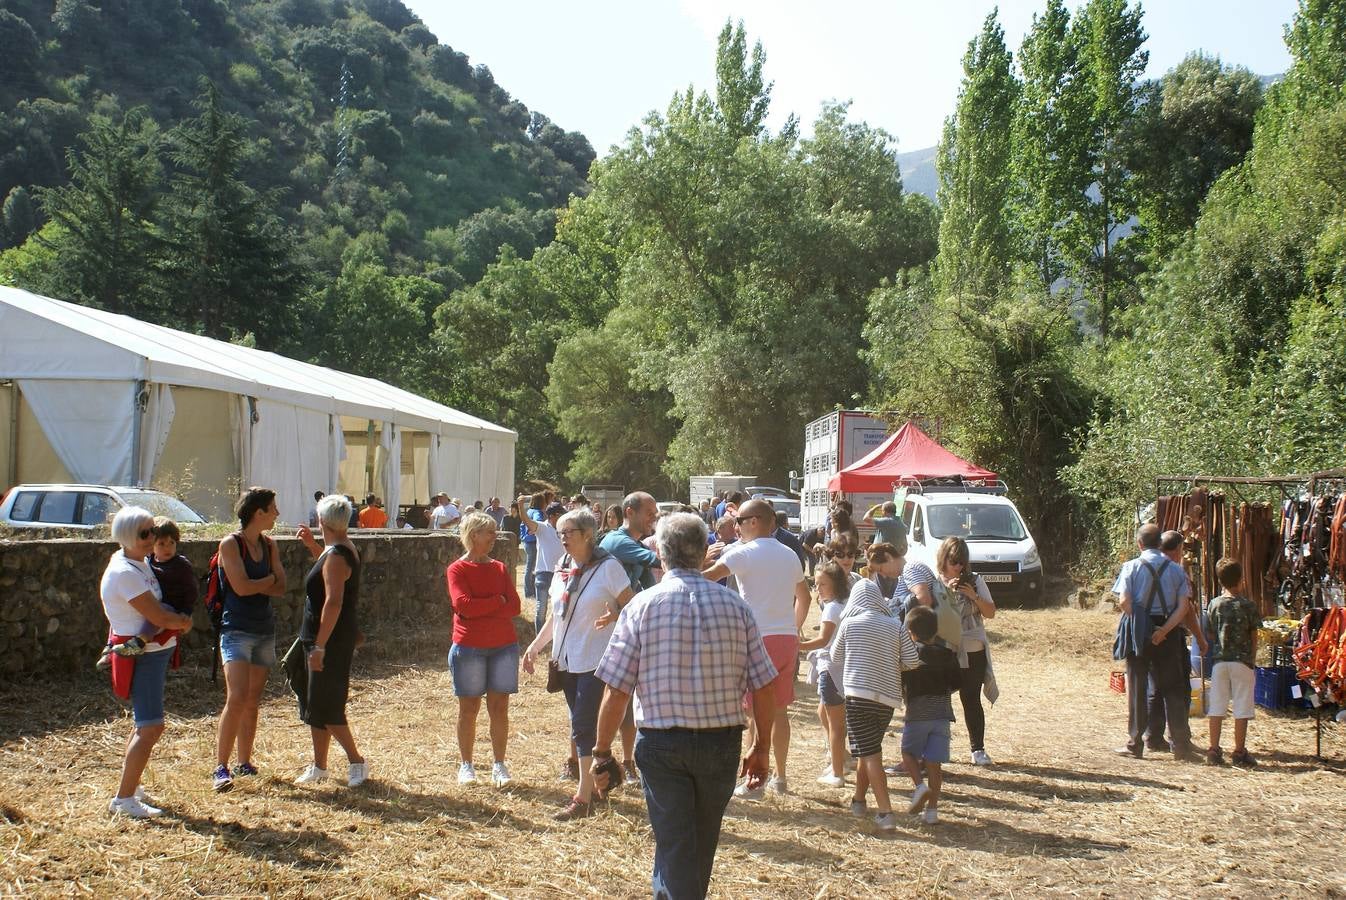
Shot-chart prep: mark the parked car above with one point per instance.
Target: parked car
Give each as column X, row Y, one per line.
column 1002, row 550
column 85, row 506
column 783, row 503
column 668, row 506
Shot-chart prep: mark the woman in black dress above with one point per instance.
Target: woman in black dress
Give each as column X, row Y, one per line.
column 330, row 634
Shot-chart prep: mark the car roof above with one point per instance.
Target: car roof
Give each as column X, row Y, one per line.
column 74, row 486
column 942, row 498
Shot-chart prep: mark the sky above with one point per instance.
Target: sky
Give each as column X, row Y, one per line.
column 599, row 66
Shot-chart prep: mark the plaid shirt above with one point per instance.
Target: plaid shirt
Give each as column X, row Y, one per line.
column 688, row 649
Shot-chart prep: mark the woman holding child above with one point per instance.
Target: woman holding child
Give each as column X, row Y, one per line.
column 957, row 581
column 132, row 601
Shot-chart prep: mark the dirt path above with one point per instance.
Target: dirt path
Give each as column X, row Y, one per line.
column 1057, row 814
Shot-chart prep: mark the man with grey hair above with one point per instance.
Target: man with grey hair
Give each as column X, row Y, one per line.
column 771, row 580
column 1152, row 593
column 687, row 650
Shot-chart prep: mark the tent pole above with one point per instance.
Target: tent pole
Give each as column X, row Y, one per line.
column 12, row 475
column 370, row 449
column 139, row 403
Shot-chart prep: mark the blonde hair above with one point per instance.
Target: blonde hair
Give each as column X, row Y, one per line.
column 472, row 523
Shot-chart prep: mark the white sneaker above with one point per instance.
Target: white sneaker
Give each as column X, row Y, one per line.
column 140, row 793
column 743, row 792
column 356, row 774
column 466, row 774
column 930, row 816
column 979, row 758
column 919, row 798
column 885, row 821
column 500, row 775
column 827, row 779
column 132, row 808
column 778, row 786
column 311, row 775
column 858, row 809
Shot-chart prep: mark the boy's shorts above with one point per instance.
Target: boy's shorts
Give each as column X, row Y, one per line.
column 1231, row 683
column 927, row 739
column 866, row 723
column 783, row 650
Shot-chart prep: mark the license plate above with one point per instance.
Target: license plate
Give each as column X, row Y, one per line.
column 997, row 579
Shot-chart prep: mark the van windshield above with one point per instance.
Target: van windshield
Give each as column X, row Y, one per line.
column 976, row 521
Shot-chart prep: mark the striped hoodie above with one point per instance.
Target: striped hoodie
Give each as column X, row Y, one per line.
column 871, row 648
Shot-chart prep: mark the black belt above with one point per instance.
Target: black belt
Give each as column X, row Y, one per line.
column 678, row 729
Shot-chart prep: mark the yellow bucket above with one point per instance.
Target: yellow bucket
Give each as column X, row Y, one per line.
column 1198, row 707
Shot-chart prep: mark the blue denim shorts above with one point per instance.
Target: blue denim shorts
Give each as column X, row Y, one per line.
column 927, row 739
column 481, row 670
column 827, row 691
column 147, row 687
column 254, row 649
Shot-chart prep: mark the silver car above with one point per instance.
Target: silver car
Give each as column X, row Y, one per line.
column 85, row 506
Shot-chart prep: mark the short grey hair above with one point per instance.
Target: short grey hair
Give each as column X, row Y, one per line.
column 334, row 511
column 128, row 523
column 582, row 519
column 681, row 539
column 472, row 523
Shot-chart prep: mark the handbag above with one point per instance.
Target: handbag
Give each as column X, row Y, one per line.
column 949, row 615
column 553, row 677
column 294, row 664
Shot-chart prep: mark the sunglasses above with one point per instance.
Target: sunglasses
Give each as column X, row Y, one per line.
column 843, row 555
column 566, row 532
column 146, row 532
column 741, row 519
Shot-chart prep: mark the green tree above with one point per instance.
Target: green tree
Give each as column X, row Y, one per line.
column 228, row 254
column 18, row 219
column 105, row 249
column 974, row 174
column 1109, row 36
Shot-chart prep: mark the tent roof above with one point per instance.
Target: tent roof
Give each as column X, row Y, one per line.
column 42, row 338
column 909, row 453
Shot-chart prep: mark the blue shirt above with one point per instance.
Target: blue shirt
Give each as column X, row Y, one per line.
column 525, row 535
column 1134, row 580
column 635, row 558
column 786, row 537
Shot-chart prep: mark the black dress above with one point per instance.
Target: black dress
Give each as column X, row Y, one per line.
column 328, row 689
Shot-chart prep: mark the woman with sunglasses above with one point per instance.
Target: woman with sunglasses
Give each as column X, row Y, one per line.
column 589, row 590
column 133, row 604
column 974, row 651
column 842, row 549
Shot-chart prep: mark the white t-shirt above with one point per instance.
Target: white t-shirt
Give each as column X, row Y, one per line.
column 833, row 610
column 576, row 644
column 123, row 580
column 549, row 551
column 439, row 517
column 767, row 572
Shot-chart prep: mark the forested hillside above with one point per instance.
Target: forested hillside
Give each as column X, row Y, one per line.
column 316, row 176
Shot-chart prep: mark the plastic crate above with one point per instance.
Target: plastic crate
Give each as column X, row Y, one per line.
column 1271, row 690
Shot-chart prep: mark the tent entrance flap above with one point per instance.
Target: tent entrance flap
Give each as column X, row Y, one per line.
column 88, row 423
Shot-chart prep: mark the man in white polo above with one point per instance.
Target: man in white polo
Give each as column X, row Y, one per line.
column 771, row 580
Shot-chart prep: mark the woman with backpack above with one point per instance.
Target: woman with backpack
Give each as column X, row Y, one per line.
column 253, row 574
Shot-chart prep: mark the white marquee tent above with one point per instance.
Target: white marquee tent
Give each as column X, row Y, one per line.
column 99, row 398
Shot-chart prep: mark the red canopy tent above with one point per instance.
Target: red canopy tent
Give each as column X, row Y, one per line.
column 908, row 454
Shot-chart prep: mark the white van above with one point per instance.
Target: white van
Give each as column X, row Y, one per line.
column 1003, row 552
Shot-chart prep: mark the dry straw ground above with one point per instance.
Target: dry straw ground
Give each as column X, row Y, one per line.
column 1057, row 814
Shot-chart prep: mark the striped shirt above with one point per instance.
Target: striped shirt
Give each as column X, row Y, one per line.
column 688, row 649
column 871, row 648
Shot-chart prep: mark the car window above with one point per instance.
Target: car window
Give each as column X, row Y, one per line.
column 162, row 505
column 24, row 506
column 908, row 510
column 916, row 520
column 976, row 521
column 58, row 508
column 98, row 509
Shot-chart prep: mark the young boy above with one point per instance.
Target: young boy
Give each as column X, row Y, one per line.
column 868, row 655
column 176, row 580
column 1231, row 627
column 925, row 731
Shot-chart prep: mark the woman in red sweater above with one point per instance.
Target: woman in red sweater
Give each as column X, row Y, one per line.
column 484, row 659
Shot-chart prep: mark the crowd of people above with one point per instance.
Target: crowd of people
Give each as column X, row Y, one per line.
column 673, row 633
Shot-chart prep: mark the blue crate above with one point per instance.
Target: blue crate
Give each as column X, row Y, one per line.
column 1271, row 690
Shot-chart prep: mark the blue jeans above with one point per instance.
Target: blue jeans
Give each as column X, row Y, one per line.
column 484, row 670
column 584, row 693
column 147, row 687
column 688, row 778
column 529, row 563
column 541, row 588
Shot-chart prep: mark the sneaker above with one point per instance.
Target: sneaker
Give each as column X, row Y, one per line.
column 885, row 821
column 222, row 780
column 1243, row 759
column 930, row 816
column 1160, row 746
column 629, row 770
column 1128, row 750
column 244, row 770
column 140, row 793
column 311, row 775
column 500, row 775
column 858, row 809
column 570, row 771
column 575, row 809
column 132, row 808
column 894, row 770
column 980, row 758
column 830, row 780
column 104, row 660
column 357, row 774
column 778, row 786
column 919, row 798
column 1214, row 757
column 743, row 792
column 466, row 774
column 134, row 647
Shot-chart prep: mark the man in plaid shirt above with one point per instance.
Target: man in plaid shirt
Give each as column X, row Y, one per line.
column 688, row 649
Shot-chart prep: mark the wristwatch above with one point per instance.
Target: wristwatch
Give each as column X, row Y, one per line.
column 602, row 754
column 319, row 649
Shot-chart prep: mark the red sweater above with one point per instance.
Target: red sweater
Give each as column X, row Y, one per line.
column 480, row 618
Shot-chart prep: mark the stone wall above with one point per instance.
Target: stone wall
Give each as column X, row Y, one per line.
column 51, row 617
